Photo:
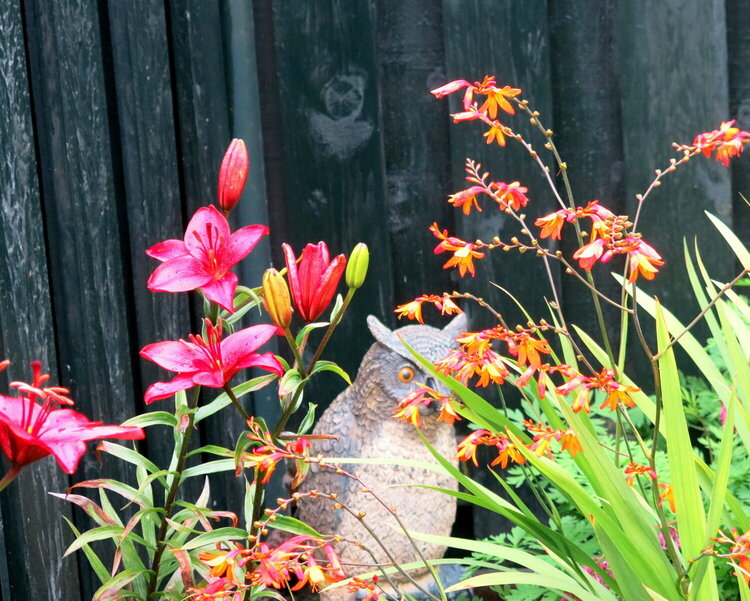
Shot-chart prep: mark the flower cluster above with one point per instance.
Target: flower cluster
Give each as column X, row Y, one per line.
column 266, row 453
column 234, row 569
column 616, row 394
column 420, row 399
column 738, row 553
column 608, row 237
column 413, row 309
column 728, row 141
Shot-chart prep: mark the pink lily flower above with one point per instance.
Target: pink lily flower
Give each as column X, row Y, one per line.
column 30, row 430
column 204, row 259
column 314, row 283
column 212, row 362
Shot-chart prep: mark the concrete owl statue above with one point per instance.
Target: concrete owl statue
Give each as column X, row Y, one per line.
column 361, row 417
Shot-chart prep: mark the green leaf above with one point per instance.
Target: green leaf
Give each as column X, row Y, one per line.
column 691, row 519
column 239, row 391
column 100, row 533
column 152, row 418
column 215, row 536
column 293, row 525
column 304, row 331
column 127, row 454
column 113, row 588
column 210, row 467
column 96, row 564
column 309, row 420
column 331, row 366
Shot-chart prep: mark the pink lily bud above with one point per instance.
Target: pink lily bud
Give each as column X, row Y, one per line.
column 233, row 174
column 314, row 281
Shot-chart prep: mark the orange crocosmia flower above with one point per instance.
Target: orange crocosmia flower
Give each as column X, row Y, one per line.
column 467, row 199
column 617, row 395
column 507, row 451
column 633, row 469
column 495, row 134
column 447, row 414
column 727, row 141
column 467, row 448
column 739, row 552
column 370, row 587
column 498, row 97
column 643, row 260
column 408, row 407
column 569, row 442
column 463, row 252
column 412, row 310
column 589, row 254
column 223, row 562
column 313, row 574
column 476, row 343
column 511, row 195
column 552, row 224
column 668, row 494
column 527, row 348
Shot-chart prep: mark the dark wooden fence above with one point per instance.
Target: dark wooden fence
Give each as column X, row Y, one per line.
column 114, row 116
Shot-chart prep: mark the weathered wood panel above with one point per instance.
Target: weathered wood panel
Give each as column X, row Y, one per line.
column 674, row 85
column 586, row 89
column 514, row 47
column 32, row 533
column 204, row 134
column 416, row 146
column 332, row 161
column 145, row 148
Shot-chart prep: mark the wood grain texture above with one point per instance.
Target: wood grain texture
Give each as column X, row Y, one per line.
column 416, row 145
column 204, row 134
column 674, row 86
column 509, row 40
column 84, row 217
column 145, row 146
column 738, row 52
column 586, row 90
column 333, row 166
column 32, row 532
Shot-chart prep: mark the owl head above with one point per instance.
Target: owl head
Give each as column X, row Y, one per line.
column 398, row 373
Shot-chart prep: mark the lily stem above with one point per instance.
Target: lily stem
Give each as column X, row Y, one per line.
column 10, row 476
column 174, row 488
column 245, row 415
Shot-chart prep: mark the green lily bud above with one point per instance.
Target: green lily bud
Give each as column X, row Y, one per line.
column 276, row 298
column 356, row 269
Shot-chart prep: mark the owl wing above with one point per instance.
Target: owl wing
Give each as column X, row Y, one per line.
column 339, row 421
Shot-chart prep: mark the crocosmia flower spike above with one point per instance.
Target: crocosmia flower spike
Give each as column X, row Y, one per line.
column 314, row 281
column 204, row 259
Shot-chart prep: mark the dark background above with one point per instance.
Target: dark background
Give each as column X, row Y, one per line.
column 114, row 117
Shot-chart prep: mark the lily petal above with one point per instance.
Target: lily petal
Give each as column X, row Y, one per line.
column 179, row 275
column 237, row 347
column 222, row 291
column 208, row 229
column 175, row 355
column 242, row 242
column 169, row 249
column 164, row 390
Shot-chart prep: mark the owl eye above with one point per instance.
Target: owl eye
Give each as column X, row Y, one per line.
column 406, row 374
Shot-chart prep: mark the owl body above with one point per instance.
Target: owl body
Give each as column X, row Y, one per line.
column 361, row 417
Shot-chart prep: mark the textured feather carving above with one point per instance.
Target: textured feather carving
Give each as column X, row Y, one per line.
column 361, row 417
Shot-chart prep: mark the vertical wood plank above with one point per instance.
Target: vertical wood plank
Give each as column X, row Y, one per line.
column 674, row 85
column 244, row 100
column 416, row 144
column 738, row 51
column 333, row 174
column 514, row 47
column 79, row 191
column 586, row 90
column 32, row 532
column 145, row 146
column 204, row 134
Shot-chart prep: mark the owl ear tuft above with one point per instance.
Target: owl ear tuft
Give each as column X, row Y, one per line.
column 456, row 326
column 383, row 335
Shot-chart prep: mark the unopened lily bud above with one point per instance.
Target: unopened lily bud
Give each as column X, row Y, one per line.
column 356, row 268
column 233, row 174
column 276, row 298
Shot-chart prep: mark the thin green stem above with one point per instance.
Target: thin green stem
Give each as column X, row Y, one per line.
column 9, row 476
column 295, row 351
column 245, row 415
column 331, row 328
column 174, row 488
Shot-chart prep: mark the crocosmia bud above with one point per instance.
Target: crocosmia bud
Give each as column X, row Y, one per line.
column 356, row 268
column 233, row 174
column 276, row 298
